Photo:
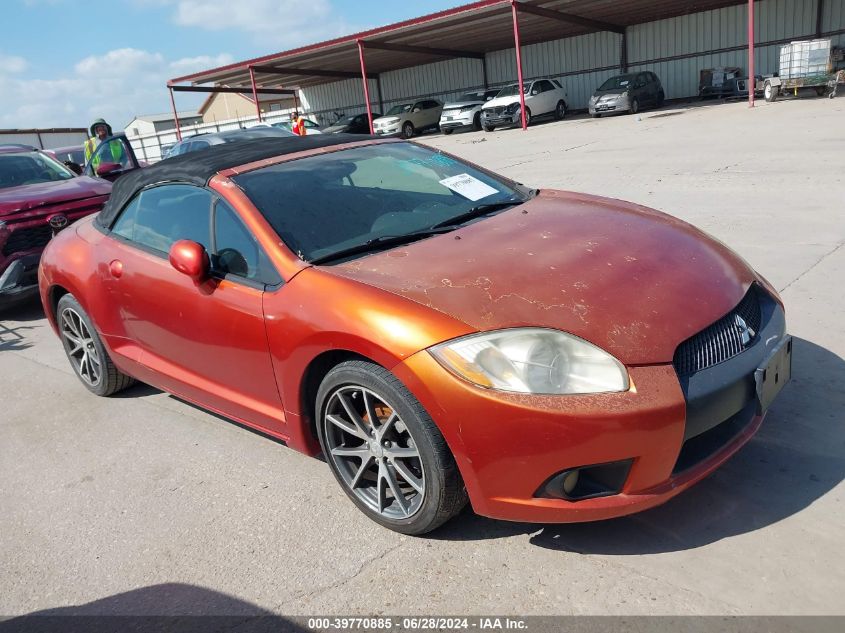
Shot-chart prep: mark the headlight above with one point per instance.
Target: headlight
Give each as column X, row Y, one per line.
column 532, row 360
column 467, row 108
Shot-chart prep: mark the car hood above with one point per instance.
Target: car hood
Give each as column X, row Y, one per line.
column 502, row 101
column 463, row 104
column 27, row 197
column 389, row 119
column 615, row 92
column 334, row 129
column 633, row 281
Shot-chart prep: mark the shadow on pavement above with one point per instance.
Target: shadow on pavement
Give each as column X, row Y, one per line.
column 172, row 607
column 796, row 458
column 12, row 337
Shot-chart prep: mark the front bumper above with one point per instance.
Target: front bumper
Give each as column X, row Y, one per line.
column 672, row 432
column 19, row 279
column 609, row 106
column 456, row 121
column 493, row 119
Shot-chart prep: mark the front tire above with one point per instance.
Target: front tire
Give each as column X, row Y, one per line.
column 476, row 121
column 635, row 106
column 527, row 118
column 408, row 130
column 770, row 92
column 85, row 350
column 489, row 128
column 385, row 451
column 447, row 131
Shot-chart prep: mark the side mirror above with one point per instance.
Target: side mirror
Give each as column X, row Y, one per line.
column 76, row 168
column 190, row 259
column 107, row 169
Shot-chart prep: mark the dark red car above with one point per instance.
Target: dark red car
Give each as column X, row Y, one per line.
column 439, row 332
column 38, row 196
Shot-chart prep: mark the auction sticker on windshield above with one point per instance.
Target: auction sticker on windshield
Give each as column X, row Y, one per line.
column 469, row 187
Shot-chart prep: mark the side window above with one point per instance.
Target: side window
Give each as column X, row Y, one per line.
column 418, row 106
column 113, row 150
column 546, row 86
column 160, row 216
column 431, row 104
column 236, row 251
column 199, row 145
column 556, row 83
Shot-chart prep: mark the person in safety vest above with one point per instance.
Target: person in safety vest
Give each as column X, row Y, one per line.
column 297, row 124
column 100, row 131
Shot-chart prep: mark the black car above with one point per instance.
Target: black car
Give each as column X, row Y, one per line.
column 627, row 93
column 355, row 124
column 202, row 141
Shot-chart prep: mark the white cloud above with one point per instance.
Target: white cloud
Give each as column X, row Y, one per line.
column 117, row 86
column 276, row 23
column 12, row 64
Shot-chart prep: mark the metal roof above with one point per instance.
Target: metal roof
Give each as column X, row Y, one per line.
column 468, row 30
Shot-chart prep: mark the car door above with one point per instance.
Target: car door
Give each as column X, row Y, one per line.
column 548, row 95
column 205, row 342
column 113, row 157
column 434, row 110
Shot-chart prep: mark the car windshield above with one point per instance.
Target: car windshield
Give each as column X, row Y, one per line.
column 472, row 96
column 399, row 109
column 509, row 91
column 615, row 83
column 30, row 168
column 322, row 205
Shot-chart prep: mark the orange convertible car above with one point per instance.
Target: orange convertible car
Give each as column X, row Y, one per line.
column 438, row 332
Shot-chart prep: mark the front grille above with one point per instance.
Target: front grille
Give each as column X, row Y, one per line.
column 722, row 340
column 496, row 110
column 27, row 239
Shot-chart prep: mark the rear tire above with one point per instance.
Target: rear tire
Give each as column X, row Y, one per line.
column 408, row 130
column 661, row 99
column 403, row 476
column 560, row 110
column 85, row 350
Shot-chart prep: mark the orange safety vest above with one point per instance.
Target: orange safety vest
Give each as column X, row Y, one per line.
column 299, row 126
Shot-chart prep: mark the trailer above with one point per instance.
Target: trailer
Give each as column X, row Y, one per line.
column 806, row 64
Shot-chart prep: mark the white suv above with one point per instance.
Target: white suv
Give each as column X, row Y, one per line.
column 411, row 118
column 542, row 97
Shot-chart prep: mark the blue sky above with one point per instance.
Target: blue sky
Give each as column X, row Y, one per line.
column 65, row 62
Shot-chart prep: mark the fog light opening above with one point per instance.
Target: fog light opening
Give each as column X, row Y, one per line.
column 587, row 482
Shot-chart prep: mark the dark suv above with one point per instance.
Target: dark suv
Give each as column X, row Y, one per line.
column 38, row 196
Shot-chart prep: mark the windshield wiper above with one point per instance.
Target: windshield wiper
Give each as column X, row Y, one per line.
column 378, row 243
column 475, row 212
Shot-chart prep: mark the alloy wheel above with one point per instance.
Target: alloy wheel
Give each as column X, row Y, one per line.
column 373, row 451
column 80, row 347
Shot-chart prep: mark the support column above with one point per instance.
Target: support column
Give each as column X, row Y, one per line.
column 484, row 72
column 255, row 92
column 819, row 17
column 366, row 85
column 175, row 115
column 380, row 97
column 623, row 52
column 752, row 82
column 517, row 45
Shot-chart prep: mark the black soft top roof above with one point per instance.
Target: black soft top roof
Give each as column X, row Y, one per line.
column 199, row 167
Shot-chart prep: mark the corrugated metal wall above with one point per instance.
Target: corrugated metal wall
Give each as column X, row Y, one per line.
column 584, row 62
column 712, row 30
column 833, row 19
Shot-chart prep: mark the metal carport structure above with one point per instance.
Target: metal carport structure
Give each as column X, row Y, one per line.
column 470, row 31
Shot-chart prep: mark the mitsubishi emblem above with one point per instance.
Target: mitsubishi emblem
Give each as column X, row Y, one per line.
column 746, row 333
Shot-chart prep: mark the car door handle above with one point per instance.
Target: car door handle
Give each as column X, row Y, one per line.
column 116, row 268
